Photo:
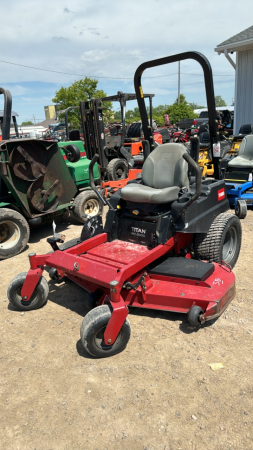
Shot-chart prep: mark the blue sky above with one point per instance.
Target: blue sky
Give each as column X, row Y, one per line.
column 111, row 39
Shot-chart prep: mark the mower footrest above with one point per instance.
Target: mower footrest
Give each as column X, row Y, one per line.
column 181, row 267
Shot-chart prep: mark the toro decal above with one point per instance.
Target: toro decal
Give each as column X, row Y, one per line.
column 221, row 194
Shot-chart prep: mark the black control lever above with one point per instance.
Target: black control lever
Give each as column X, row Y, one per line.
column 92, row 183
column 57, row 238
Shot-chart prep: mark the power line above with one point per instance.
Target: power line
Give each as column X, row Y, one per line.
column 221, row 75
column 108, row 78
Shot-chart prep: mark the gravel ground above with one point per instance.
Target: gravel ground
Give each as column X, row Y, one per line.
column 160, row 393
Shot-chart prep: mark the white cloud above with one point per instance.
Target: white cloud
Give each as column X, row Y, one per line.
column 111, row 39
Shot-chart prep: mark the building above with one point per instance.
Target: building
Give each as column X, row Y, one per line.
column 50, row 112
column 242, row 45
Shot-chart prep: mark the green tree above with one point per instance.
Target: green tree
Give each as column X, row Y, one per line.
column 219, row 101
column 195, row 106
column 181, row 111
column 158, row 113
column 117, row 116
column 133, row 115
column 28, row 122
column 81, row 90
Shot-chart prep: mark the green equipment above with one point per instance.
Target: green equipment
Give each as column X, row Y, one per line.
column 40, row 180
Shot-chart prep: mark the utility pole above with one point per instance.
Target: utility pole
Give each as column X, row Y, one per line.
column 34, row 119
column 178, row 95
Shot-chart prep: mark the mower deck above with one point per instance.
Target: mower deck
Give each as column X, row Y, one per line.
column 126, row 272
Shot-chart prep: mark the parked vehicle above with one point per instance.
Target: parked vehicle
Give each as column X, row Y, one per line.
column 227, row 119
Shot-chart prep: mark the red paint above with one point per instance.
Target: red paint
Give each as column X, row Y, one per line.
column 221, row 194
column 31, row 281
column 101, row 262
column 118, row 317
column 119, row 184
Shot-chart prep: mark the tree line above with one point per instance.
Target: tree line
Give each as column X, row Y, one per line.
column 87, row 88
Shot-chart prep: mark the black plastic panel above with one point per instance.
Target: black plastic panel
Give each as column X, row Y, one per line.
column 181, row 267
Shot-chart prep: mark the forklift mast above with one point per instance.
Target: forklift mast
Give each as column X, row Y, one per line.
column 93, row 125
column 93, row 131
column 208, row 77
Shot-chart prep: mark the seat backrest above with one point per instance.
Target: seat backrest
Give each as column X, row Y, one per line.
column 246, row 129
column 204, row 138
column 166, row 167
column 246, row 147
column 74, row 135
column 203, row 128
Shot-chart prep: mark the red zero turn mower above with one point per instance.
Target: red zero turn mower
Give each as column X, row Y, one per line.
column 167, row 244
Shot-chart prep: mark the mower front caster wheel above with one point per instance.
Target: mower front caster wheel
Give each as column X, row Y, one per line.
column 194, row 315
column 38, row 298
column 92, row 333
column 241, row 209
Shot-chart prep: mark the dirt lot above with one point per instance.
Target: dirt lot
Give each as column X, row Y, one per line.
column 160, row 393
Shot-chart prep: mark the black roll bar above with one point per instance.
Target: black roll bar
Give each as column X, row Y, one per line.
column 208, row 77
column 66, row 118
column 7, row 113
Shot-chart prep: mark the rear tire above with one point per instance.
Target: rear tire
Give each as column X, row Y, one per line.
column 92, row 333
column 38, row 298
column 14, row 233
column 241, row 209
column 88, row 203
column 222, row 242
column 117, row 169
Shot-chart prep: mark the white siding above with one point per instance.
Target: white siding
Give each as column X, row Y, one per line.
column 243, row 89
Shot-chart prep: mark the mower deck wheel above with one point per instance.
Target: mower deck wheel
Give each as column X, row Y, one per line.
column 241, row 209
column 117, row 169
column 194, row 315
column 38, row 298
column 92, row 333
column 53, row 274
column 222, row 242
column 87, row 202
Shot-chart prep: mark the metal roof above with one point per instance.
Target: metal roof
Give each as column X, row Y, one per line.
column 13, row 113
column 240, row 41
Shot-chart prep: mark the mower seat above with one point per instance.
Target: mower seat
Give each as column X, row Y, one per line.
column 204, row 127
column 244, row 131
column 204, row 140
column 244, row 160
column 164, row 173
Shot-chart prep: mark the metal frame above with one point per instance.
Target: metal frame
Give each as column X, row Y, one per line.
column 6, row 119
column 66, row 118
column 93, row 125
column 208, row 77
